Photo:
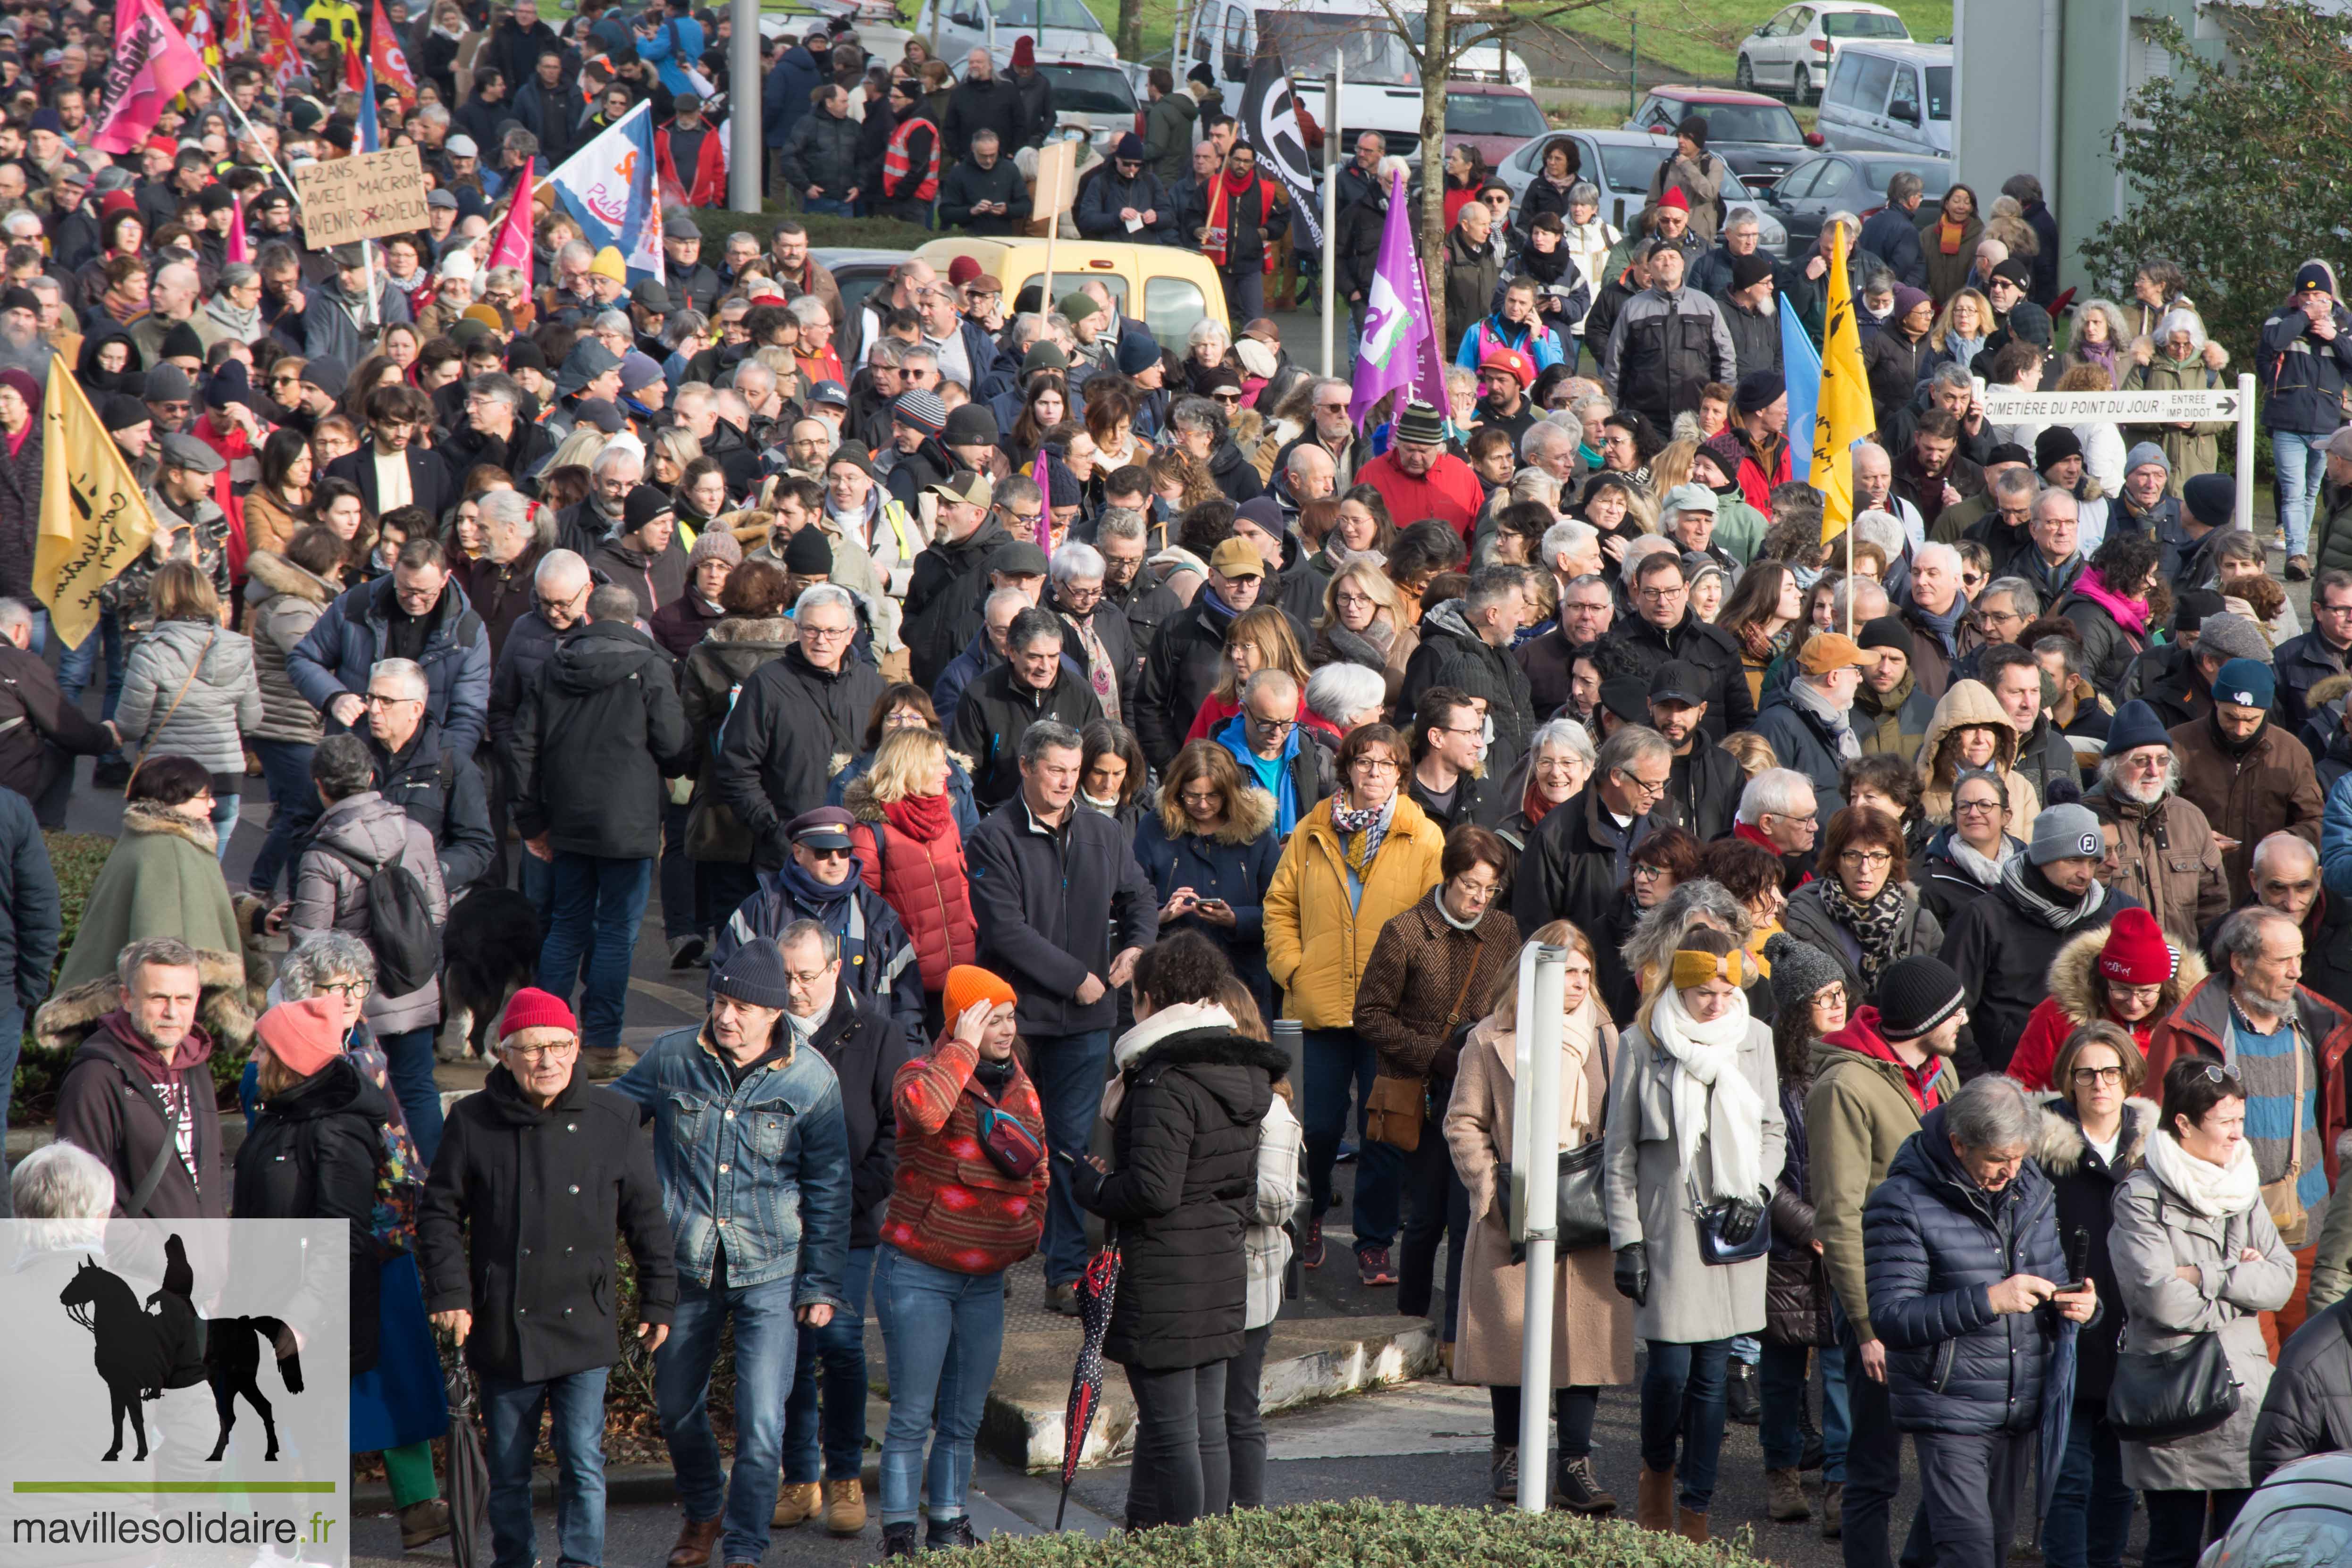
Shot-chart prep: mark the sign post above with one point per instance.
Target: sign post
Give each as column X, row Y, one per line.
column 1057, row 179
column 1535, row 1199
column 2006, row 405
column 361, row 197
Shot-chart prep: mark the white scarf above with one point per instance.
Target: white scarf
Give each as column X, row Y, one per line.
column 1985, row 870
column 1174, row 1018
column 2214, row 1191
column 1712, row 1097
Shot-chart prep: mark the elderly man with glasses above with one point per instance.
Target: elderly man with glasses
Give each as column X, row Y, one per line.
column 1580, row 853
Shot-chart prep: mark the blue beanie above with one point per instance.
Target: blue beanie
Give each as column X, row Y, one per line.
column 1138, row 350
column 2135, row 724
column 755, row 976
column 2245, row 683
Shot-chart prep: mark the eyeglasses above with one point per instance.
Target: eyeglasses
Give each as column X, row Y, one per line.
column 1373, row 765
column 1330, row 408
column 2086, row 1076
column 350, row 990
column 1634, row 781
column 1273, row 726
column 1807, row 821
column 829, row 634
column 1650, row 872
column 814, row 852
column 547, row 604
column 1233, row 398
column 2214, row 1072
column 1976, row 808
column 381, row 699
column 1869, row 860
column 563, row 1053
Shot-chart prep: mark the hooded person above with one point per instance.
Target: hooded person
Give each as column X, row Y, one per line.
column 1948, row 748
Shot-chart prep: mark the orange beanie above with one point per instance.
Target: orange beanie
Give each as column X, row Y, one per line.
column 968, row 984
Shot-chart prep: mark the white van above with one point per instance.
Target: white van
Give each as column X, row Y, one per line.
column 1065, row 29
column 1379, row 86
column 1890, row 98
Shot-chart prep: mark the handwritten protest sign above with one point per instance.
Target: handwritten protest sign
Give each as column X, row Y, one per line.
column 362, row 196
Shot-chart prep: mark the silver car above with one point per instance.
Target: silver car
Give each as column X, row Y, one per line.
column 1620, row 164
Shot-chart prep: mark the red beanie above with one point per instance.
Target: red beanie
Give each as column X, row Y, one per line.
column 534, row 1009
column 1675, row 198
column 2136, row 953
column 304, row 1035
column 962, row 270
column 968, row 984
column 1024, row 53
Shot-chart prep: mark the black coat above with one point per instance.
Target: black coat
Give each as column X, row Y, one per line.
column 945, row 596
column 1934, row 1241
column 437, row 787
column 991, row 105
column 1182, row 1183
column 2108, row 647
column 29, row 910
column 866, row 1048
column 1702, row 792
column 1452, row 655
column 794, row 727
column 1730, row 704
column 1800, row 741
column 968, row 183
column 2085, row 1185
column 2002, row 949
column 1186, row 661
column 2308, row 1409
column 1572, row 869
column 429, row 482
column 997, row 710
column 313, row 1154
column 518, row 1226
column 1055, row 907
column 593, row 740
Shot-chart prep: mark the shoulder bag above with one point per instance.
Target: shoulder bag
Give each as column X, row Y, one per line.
column 1398, row 1106
column 2156, row 1395
column 195, row 667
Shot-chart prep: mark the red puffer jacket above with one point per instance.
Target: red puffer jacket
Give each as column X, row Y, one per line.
column 924, row 881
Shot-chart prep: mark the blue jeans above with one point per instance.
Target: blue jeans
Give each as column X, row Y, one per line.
column 2302, row 462
column 599, row 902
column 2090, row 1512
column 1069, row 1071
column 75, row 666
column 1338, row 1061
column 828, row 206
column 225, row 810
column 286, row 768
column 942, row 1332
column 1782, row 1373
column 510, row 1412
column 408, row 1063
column 1681, row 1399
column 678, row 912
column 765, row 1353
column 833, row 1357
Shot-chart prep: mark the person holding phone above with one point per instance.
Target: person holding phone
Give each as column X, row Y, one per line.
column 1968, row 1287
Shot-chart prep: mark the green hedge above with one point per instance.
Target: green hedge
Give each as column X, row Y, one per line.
column 77, row 858
column 824, row 231
column 1327, row 1535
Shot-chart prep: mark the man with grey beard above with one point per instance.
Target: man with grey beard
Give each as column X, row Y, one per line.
column 2165, row 853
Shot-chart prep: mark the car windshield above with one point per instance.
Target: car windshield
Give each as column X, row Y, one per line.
column 1072, row 14
column 1629, row 170
column 1749, row 122
column 1935, row 173
column 1088, row 90
column 1374, row 56
column 1479, row 35
column 1493, row 114
column 1940, row 92
column 1863, row 24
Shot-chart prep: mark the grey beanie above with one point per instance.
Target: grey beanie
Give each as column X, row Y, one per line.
column 2232, row 636
column 2062, row 831
column 1800, row 971
column 2145, row 453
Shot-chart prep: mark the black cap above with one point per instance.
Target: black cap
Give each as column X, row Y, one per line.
column 1887, row 631
column 809, row 553
column 1915, row 995
column 646, row 503
column 1627, row 696
column 2008, row 452
column 1677, row 681
column 2190, row 611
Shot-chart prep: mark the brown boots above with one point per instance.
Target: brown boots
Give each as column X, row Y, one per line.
column 1654, row 1507
column 1784, row 1493
column 1691, row 1527
column 695, row 1539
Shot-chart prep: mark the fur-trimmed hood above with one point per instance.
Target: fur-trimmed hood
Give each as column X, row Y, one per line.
column 750, row 629
column 225, row 1008
column 1252, row 815
column 2074, row 973
column 147, row 816
column 2059, row 1145
column 273, row 574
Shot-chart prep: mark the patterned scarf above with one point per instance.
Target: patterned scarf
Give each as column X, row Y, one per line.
column 1876, row 925
column 1100, row 672
column 1362, row 832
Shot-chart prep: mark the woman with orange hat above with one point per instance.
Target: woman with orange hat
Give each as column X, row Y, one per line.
column 968, row 1203
column 2126, row 974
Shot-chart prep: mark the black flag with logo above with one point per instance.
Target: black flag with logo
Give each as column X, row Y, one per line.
column 1269, row 122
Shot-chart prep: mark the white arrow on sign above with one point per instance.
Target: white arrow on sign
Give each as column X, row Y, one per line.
column 2003, row 406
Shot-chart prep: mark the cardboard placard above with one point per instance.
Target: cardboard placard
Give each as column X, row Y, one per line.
column 362, row 196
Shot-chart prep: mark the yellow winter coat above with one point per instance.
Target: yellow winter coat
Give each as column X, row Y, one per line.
column 1316, row 944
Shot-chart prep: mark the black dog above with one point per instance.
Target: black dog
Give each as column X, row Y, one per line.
column 490, row 951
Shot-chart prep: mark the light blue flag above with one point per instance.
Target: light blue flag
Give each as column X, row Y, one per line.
column 1800, row 370
column 610, row 187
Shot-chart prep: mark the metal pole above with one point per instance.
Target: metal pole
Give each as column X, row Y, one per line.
column 936, row 7
column 371, row 316
column 744, row 132
column 1536, row 1152
column 230, row 101
column 1334, row 149
column 1633, row 70
column 2245, row 518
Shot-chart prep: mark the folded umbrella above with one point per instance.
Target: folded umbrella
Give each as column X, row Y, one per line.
column 1096, row 1289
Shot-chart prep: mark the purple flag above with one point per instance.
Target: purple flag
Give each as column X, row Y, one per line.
column 1398, row 347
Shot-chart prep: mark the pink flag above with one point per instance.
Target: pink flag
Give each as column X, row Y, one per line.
column 151, row 63
column 239, row 247
column 512, row 247
column 1042, row 470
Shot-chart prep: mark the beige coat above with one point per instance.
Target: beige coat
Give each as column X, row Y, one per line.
column 1592, row 1325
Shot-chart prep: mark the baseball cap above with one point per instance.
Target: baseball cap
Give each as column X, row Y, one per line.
column 1237, row 559
column 1831, row 650
column 1678, row 680
column 972, row 490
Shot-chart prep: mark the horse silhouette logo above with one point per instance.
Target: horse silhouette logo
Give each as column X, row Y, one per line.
column 141, row 1350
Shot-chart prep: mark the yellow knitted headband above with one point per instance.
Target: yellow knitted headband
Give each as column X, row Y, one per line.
column 1695, row 968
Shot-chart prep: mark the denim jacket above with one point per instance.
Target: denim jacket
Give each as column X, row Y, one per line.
column 764, row 1167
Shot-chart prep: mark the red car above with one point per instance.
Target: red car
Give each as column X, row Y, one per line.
column 1496, row 120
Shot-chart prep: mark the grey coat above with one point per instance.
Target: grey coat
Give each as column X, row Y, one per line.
column 329, row 896
column 2155, row 1233
column 1648, row 1189
column 287, row 602
column 224, row 702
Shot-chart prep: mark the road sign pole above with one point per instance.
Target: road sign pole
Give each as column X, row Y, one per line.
column 2245, row 517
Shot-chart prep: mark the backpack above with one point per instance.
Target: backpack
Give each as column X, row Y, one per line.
column 399, row 924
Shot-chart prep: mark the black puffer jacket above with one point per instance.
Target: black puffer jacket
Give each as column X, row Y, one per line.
column 313, row 1154
column 1796, row 1293
column 1453, row 654
column 1186, row 659
column 1571, row 870
column 794, row 727
column 2085, row 1185
column 2308, row 1409
column 1932, row 1242
column 1730, row 705
column 1184, row 1173
column 2108, row 646
column 822, row 150
column 944, row 595
column 997, row 710
column 593, row 740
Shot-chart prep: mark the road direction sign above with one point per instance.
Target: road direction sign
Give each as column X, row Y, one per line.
column 2005, row 406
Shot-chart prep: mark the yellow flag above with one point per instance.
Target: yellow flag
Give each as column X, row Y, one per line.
column 1842, row 412
column 94, row 520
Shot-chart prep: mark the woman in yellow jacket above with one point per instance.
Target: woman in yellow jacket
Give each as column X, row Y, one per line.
column 1354, row 862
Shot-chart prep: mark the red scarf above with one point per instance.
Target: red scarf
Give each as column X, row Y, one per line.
column 923, row 818
column 1225, row 213
column 1534, row 803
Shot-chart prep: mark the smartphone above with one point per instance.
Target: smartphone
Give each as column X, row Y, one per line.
column 2078, row 1260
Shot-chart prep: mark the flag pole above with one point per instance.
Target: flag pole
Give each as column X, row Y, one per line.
column 1334, row 149
column 269, row 157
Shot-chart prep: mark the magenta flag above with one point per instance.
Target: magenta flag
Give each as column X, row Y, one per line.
column 151, row 63
column 239, row 249
column 1399, row 349
column 512, row 247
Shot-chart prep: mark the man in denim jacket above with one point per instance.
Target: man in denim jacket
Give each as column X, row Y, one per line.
column 754, row 1155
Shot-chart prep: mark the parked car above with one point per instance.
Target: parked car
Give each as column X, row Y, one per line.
column 2300, row 1518
column 1755, row 134
column 1620, row 164
column 1796, row 50
column 1094, row 94
column 1063, row 29
column 1850, row 183
column 1175, row 288
column 1379, row 86
column 1890, row 98
column 857, row 273
column 1497, row 121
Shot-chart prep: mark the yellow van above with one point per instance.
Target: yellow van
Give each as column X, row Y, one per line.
column 1166, row 289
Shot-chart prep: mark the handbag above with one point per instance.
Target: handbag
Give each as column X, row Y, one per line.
column 1398, row 1106
column 1582, row 1219
column 1712, row 1247
column 195, row 667
column 2285, row 1207
column 2156, row 1395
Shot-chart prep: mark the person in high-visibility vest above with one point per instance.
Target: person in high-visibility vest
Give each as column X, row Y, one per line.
column 339, row 18
column 910, row 165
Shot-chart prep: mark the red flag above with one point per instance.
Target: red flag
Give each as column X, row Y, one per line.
column 238, row 36
column 354, row 74
column 391, row 59
column 151, row 63
column 286, row 68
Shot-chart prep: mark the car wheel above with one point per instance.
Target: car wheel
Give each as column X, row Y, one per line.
column 1745, row 74
column 1802, row 76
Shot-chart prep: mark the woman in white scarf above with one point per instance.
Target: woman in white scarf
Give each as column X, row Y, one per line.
column 1693, row 1122
column 2195, row 1253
